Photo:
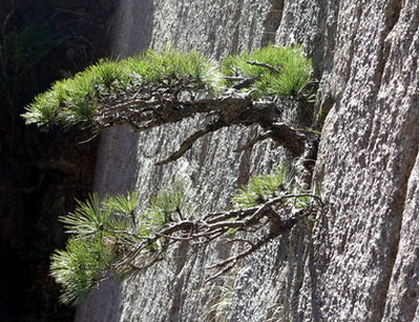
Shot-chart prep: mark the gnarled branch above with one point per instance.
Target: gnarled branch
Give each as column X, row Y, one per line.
column 215, row 225
column 191, row 140
column 147, row 112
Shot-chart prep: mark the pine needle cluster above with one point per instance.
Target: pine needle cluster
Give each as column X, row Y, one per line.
column 277, row 71
column 100, row 233
column 77, row 99
column 264, row 187
column 103, row 232
column 169, row 205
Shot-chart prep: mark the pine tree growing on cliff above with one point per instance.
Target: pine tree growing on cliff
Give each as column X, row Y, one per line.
column 108, row 237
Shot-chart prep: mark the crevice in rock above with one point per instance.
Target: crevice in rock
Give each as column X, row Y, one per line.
column 353, row 38
column 398, row 207
column 272, row 22
column 392, row 12
column 178, row 300
column 235, row 35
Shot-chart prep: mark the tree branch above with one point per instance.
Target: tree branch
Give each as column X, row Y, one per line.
column 255, row 140
column 148, row 111
column 215, row 225
column 187, row 144
column 268, row 66
column 252, row 249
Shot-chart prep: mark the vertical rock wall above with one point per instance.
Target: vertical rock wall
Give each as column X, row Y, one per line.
column 359, row 260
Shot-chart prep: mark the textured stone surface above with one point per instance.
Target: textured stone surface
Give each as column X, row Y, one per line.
column 403, row 289
column 359, row 260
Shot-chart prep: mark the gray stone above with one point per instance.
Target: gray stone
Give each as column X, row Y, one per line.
column 358, row 261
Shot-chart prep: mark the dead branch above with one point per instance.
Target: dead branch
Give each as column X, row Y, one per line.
column 245, row 83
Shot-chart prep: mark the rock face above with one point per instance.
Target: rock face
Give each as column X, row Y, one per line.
column 359, row 260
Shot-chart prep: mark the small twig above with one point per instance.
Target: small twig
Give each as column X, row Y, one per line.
column 234, row 78
column 215, row 225
column 209, row 233
column 270, row 67
column 214, row 235
column 225, row 215
column 221, row 272
column 241, row 240
column 259, row 138
column 121, row 232
column 188, row 143
column 249, row 251
column 158, row 257
column 175, row 238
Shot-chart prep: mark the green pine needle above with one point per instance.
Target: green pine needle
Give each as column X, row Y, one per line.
column 122, row 203
column 103, row 231
column 168, row 205
column 79, row 99
column 88, row 218
column 263, row 187
column 79, row 268
column 291, row 70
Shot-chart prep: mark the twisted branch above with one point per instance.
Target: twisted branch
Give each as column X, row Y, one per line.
column 144, row 111
column 215, row 225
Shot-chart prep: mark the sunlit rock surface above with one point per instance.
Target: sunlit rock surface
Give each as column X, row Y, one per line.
column 359, row 260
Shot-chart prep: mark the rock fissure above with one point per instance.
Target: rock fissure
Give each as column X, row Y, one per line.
column 272, row 22
column 391, row 16
column 395, row 234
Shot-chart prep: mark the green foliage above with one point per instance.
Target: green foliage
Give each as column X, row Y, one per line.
column 69, row 101
column 261, row 188
column 92, row 216
column 169, row 205
column 281, row 71
column 89, row 218
column 80, row 267
column 104, row 231
column 45, row 111
column 107, row 74
column 100, row 232
column 122, row 205
column 174, row 68
column 77, row 99
column 110, row 240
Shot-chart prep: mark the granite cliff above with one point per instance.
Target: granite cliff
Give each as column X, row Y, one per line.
column 359, row 260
